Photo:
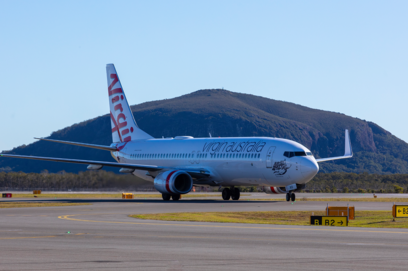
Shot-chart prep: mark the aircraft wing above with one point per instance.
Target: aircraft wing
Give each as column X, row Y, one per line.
column 87, row 162
column 195, row 173
column 348, row 152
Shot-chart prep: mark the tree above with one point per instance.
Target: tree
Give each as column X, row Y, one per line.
column 398, row 189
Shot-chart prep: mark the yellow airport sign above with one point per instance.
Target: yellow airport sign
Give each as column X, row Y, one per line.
column 339, row 221
column 400, row 210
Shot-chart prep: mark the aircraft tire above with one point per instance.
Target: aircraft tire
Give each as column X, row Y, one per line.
column 236, row 194
column 293, row 197
column 226, row 194
column 166, row 197
column 287, row 196
column 175, row 197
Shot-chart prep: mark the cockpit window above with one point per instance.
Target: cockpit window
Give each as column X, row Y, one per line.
column 290, row 154
column 309, row 153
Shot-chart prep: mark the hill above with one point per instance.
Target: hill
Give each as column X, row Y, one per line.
column 224, row 113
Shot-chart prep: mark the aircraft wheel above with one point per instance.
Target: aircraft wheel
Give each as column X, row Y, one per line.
column 226, row 194
column 175, row 197
column 287, row 196
column 236, row 194
column 293, row 197
column 166, row 197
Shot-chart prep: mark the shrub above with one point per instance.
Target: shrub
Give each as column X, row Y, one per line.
column 398, row 189
column 346, row 190
column 361, row 190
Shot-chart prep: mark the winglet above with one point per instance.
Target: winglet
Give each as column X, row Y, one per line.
column 348, row 151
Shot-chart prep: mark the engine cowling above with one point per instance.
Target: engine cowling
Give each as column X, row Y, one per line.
column 173, row 182
column 274, row 190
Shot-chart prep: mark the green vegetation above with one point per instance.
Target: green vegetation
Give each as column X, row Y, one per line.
column 37, row 204
column 228, row 114
column 369, row 219
column 63, row 181
column 335, row 182
column 358, row 183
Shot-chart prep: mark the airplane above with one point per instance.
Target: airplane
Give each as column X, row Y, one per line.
column 175, row 165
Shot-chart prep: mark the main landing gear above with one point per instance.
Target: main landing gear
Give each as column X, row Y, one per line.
column 166, row 197
column 233, row 193
column 290, row 196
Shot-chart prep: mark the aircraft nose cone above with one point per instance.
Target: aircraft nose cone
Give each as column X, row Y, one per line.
column 309, row 169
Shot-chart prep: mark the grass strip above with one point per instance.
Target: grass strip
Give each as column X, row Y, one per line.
column 337, row 199
column 37, row 204
column 368, row 219
column 115, row 196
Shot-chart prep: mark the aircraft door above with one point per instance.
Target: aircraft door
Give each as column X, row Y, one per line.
column 198, row 157
column 269, row 157
column 192, row 159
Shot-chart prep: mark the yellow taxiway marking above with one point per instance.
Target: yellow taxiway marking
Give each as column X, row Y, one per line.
column 31, row 237
column 69, row 217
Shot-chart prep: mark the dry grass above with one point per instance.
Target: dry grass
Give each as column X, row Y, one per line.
column 339, row 199
column 37, row 204
column 361, row 199
column 371, row 219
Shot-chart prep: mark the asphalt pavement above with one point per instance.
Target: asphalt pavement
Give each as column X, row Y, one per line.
column 102, row 236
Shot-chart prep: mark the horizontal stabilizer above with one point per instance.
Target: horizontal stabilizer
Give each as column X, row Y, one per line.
column 348, row 152
column 99, row 147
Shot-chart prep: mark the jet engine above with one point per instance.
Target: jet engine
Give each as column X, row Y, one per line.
column 173, row 182
column 274, row 190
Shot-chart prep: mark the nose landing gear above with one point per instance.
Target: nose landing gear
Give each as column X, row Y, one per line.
column 290, row 196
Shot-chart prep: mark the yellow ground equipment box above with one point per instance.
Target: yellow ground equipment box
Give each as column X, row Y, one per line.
column 400, row 210
column 339, row 221
column 340, row 211
column 127, row 195
column 36, row 191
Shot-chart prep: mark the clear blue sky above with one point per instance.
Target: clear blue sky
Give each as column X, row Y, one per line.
column 342, row 56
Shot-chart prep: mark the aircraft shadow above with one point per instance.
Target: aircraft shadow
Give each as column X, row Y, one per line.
column 182, row 201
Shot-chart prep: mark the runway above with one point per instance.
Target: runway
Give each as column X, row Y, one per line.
column 102, row 236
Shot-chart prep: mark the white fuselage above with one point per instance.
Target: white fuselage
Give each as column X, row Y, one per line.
column 236, row 161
